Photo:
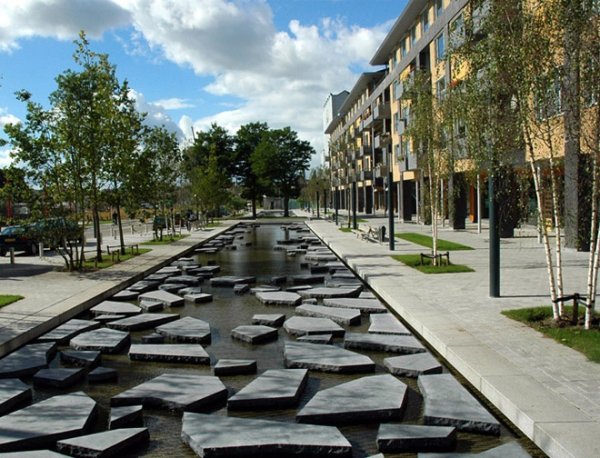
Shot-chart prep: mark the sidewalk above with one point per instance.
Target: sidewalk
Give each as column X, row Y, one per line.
column 550, row 392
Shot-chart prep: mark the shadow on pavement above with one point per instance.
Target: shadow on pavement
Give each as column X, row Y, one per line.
column 13, row 271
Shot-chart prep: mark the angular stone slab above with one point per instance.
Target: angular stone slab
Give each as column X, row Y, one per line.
column 307, row 279
column 153, row 338
column 264, row 289
column 367, row 295
column 189, row 280
column 198, row 298
column 301, row 326
column 189, row 290
column 84, row 358
column 413, row 365
column 279, row 298
column 210, row 269
column 215, row 437
column 396, row 438
column 373, row 398
column 143, row 286
column 269, row 319
column 125, row 295
column 58, row 377
column 325, row 358
column 508, row 450
column 311, row 300
column 324, row 293
column 170, row 270
column 41, row 425
column 172, row 287
column 448, row 403
column 151, row 307
column 158, row 277
column 324, row 339
column 235, row 367
column 169, row 353
column 320, row 257
column 103, row 339
column 143, row 321
column 121, row 417
column 386, row 323
column 278, row 279
column 254, row 333
column 103, row 375
column 318, row 269
column 230, row 281
column 383, row 342
column 337, row 314
column 27, row 360
column 107, row 318
column 105, row 444
column 174, row 391
column 115, row 308
column 163, row 297
column 364, row 305
column 33, row 454
column 273, row 389
column 13, row 393
column 186, row 329
column 294, row 289
column 240, row 289
column 66, row 331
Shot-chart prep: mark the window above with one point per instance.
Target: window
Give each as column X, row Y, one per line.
column 413, row 36
column 424, row 22
column 394, row 59
column 440, row 88
column 406, row 115
column 457, row 32
column 403, row 49
column 440, row 47
column 397, row 89
column 439, row 8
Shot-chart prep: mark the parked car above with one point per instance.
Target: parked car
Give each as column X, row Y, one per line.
column 18, row 237
column 51, row 232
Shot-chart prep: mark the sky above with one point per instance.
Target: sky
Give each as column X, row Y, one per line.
column 191, row 63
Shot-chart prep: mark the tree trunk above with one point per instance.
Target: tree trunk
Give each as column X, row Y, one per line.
column 120, row 225
column 253, row 207
column 286, row 206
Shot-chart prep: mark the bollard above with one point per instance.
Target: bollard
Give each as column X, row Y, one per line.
column 12, row 255
column 41, row 250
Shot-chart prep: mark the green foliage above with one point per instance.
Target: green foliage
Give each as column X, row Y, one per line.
column 214, row 143
column 414, row 261
column 426, row 241
column 345, row 229
column 166, row 240
column 210, row 187
column 6, row 299
column 106, row 262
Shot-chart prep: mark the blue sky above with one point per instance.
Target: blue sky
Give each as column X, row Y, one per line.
column 194, row 62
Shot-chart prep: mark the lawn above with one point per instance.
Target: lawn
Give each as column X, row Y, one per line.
column 6, row 299
column 107, row 260
column 540, row 319
column 345, row 229
column 414, row 261
column 427, row 241
column 167, row 239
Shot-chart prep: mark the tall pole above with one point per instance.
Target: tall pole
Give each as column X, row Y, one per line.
column 494, row 239
column 318, row 205
column 336, row 204
column 390, row 205
column 354, row 198
column 479, row 209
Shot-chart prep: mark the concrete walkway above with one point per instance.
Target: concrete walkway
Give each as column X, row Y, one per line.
column 550, row 392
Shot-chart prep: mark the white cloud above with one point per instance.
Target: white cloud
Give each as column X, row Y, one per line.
column 173, row 104
column 155, row 113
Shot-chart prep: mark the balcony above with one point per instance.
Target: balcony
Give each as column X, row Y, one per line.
column 365, row 149
column 408, row 162
column 480, row 13
column 381, row 171
column 367, row 122
column 381, row 141
column 400, row 126
column 381, row 111
column 365, row 175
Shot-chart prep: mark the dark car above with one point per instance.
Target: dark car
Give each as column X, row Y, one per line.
column 18, row 237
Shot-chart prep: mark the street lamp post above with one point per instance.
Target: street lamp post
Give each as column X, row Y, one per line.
column 390, row 204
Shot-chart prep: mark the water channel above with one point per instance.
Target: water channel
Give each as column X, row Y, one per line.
column 254, row 255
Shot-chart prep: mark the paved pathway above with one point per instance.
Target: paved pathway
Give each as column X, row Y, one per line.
column 552, row 393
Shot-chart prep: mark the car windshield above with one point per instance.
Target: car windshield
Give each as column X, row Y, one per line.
column 12, row 230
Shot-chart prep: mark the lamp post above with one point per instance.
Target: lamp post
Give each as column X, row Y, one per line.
column 390, row 203
column 494, row 231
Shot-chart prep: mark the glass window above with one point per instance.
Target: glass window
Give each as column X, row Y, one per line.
column 439, row 8
column 440, row 47
column 403, row 47
column 425, row 21
column 440, row 87
column 413, row 35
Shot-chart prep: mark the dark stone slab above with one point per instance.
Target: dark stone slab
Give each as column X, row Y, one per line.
column 58, row 377
column 27, row 360
column 103, row 339
column 235, row 367
column 151, row 307
column 105, row 444
column 42, row 424
column 186, row 329
column 105, row 318
column 115, row 308
column 279, row 279
column 367, row 295
column 319, row 269
column 413, row 365
column 320, row 257
column 508, row 450
column 153, row 338
column 337, row 314
column 125, row 295
column 172, row 287
column 143, row 286
column 170, row 270
column 324, row 293
column 103, row 375
column 162, row 297
column 210, row 269
column 189, row 280
column 143, row 321
column 269, row 319
column 279, row 298
column 324, row 339
column 301, row 326
column 307, row 279
column 175, row 391
column 386, row 323
column 215, row 436
column 169, row 353
column 295, row 289
column 373, row 398
column 396, row 438
column 383, row 342
column 273, row 389
column 13, row 393
column 325, row 358
column 84, row 358
column 264, row 289
column 230, row 281
column 189, row 290
column 158, row 277
column 198, row 298
column 241, row 289
column 126, row 416
column 448, row 403
column 310, row 300
column 364, row 305
column 71, row 328
column 343, row 283
column 254, row 333
column 33, row 454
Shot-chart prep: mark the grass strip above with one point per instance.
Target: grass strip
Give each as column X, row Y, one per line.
column 6, row 299
column 427, row 241
column 345, row 229
column 167, row 239
column 414, row 261
column 108, row 262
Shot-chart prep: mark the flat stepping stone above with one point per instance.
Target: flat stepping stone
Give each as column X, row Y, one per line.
column 269, row 319
column 235, row 367
column 169, row 353
column 151, row 307
column 175, row 392
column 13, row 393
column 27, row 360
column 325, row 358
column 210, row 269
column 103, row 339
column 279, row 298
column 108, row 318
column 105, row 444
column 85, row 358
column 213, row 436
column 320, row 257
column 273, row 389
column 241, row 288
column 324, row 339
column 230, row 281
column 125, row 295
column 143, row 321
column 186, row 329
column 448, row 403
column 279, row 279
column 153, row 338
column 311, row 300
column 386, row 323
column 319, row 269
column 158, row 277
column 58, row 377
column 103, row 375
column 66, row 331
column 294, row 289
column 307, row 279
column 198, row 298
column 162, row 297
column 383, row 342
column 143, row 286
column 510, row 449
column 367, row 295
column 325, row 292
column 172, row 287
column 42, row 424
column 254, row 333
column 413, row 365
column 188, row 280
column 170, row 270
column 301, row 326
column 115, row 308
column 396, row 438
column 339, row 315
column 364, row 305
column 126, row 416
column 33, row 454
column 373, row 398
